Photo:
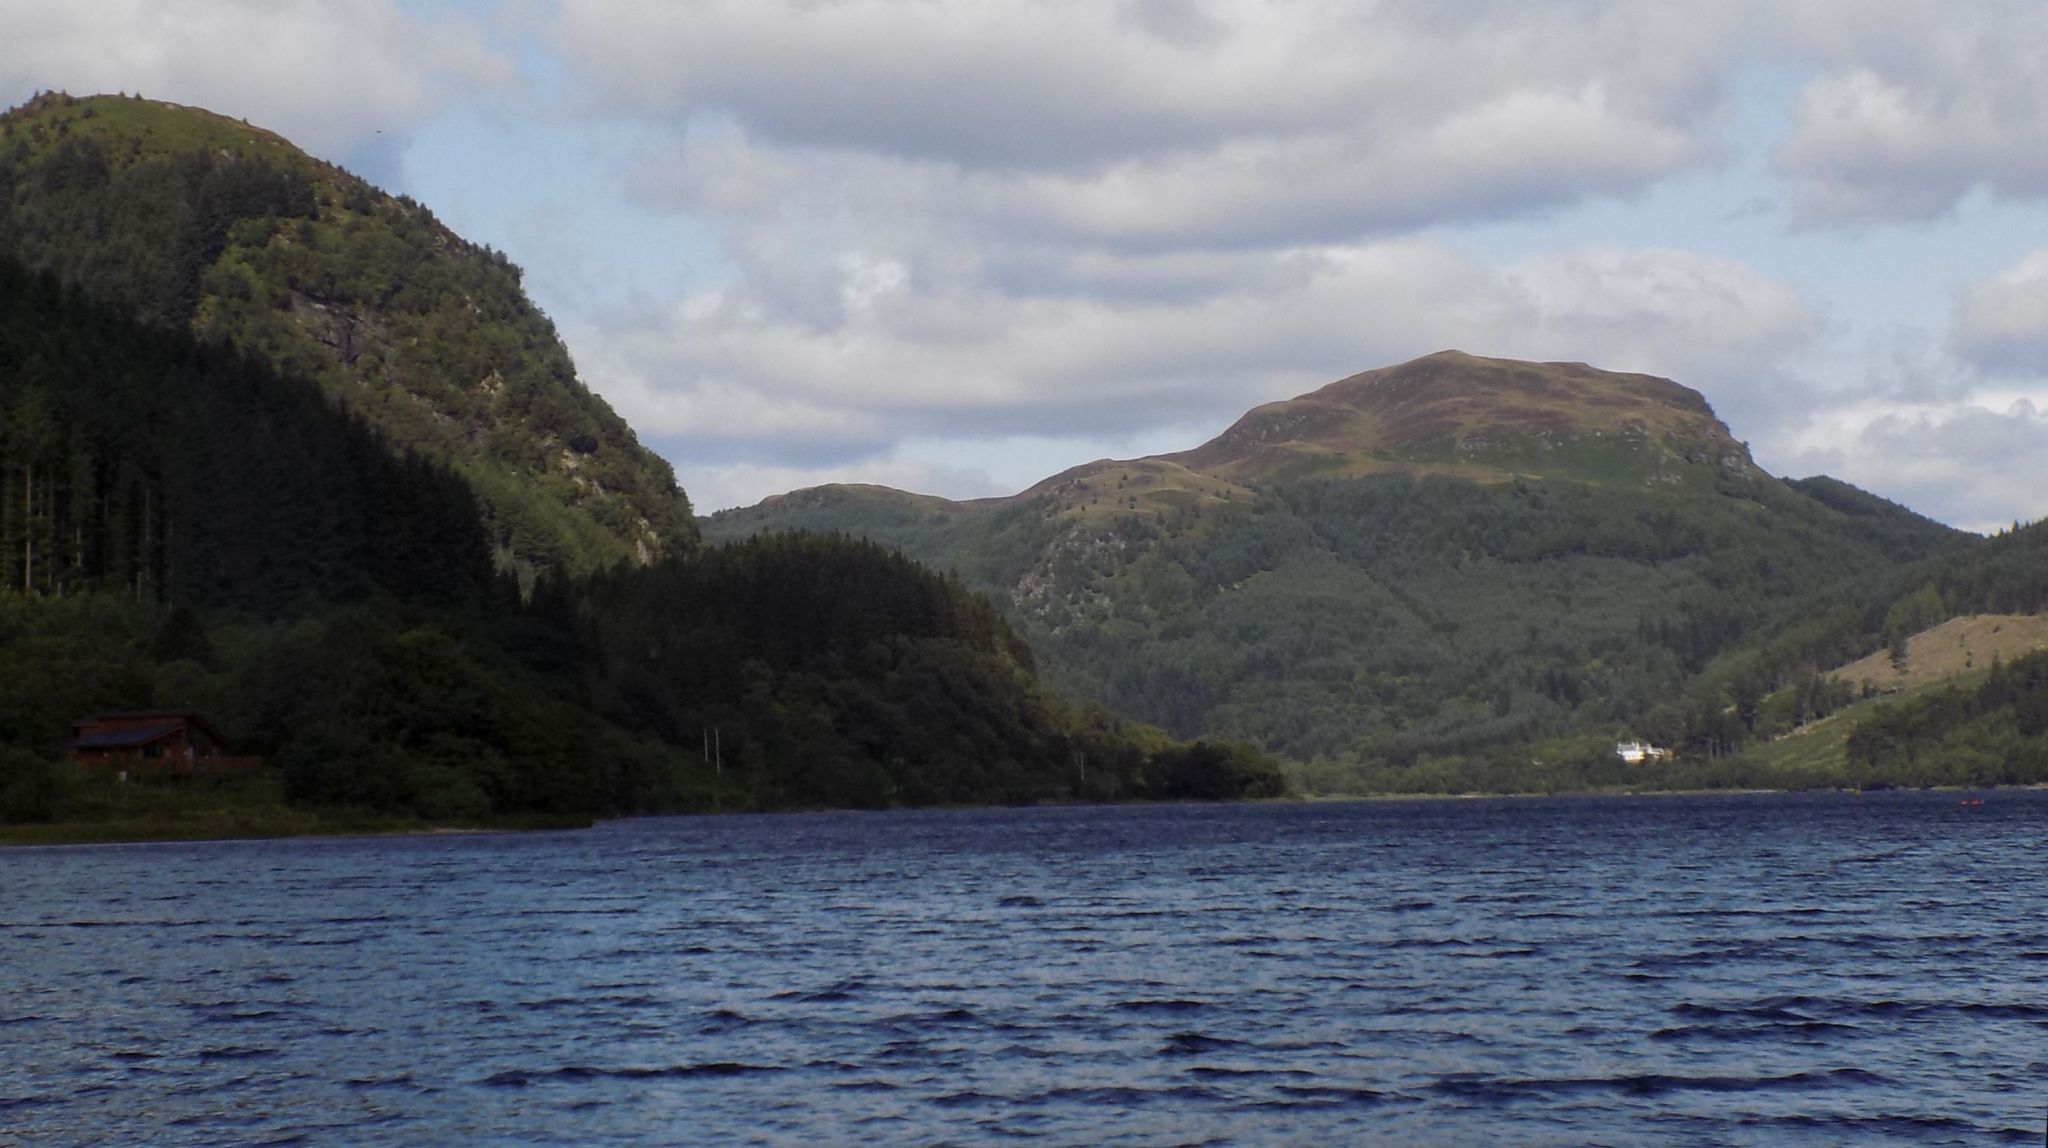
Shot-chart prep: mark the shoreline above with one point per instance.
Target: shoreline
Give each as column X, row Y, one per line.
column 71, row 834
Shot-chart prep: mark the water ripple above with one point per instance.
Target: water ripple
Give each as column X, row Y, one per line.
column 1741, row 970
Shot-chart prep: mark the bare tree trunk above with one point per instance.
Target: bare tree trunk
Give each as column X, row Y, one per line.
column 55, row 549
column 28, row 528
column 142, row 550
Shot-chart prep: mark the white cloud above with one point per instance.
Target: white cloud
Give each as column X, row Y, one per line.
column 1918, row 104
column 327, row 76
column 969, row 359
column 1162, row 123
column 1705, row 320
column 1979, row 464
column 1158, row 121
column 665, row 394
column 2001, row 324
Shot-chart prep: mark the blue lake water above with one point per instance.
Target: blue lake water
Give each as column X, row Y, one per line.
column 1699, row 970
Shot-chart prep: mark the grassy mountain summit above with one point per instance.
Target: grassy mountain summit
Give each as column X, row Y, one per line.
column 190, row 219
column 1486, row 419
column 1449, row 414
column 1432, row 575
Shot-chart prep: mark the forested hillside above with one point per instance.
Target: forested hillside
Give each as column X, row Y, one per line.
column 182, row 527
column 1496, row 583
column 136, row 462
column 1945, row 704
column 1991, row 732
column 191, row 220
column 842, row 674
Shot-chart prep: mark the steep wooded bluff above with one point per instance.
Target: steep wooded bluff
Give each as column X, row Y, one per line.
column 183, row 527
column 193, row 220
column 1457, row 572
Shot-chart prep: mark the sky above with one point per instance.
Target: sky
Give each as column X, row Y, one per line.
column 959, row 245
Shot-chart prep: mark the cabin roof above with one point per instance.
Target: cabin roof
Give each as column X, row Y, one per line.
column 129, row 738
column 137, row 727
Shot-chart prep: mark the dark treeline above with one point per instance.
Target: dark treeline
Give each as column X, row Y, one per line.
column 183, row 528
column 832, row 671
column 134, row 460
column 2006, row 575
column 180, row 527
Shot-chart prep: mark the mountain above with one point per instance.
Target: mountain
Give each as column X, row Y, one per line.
column 1431, row 575
column 189, row 219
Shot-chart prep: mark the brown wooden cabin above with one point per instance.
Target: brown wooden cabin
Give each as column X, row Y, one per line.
column 161, row 743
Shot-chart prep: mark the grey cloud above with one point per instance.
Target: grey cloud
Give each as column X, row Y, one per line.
column 1522, row 152
column 1254, row 124
column 2001, row 324
column 1319, row 121
column 907, row 361
column 327, row 76
column 1917, row 105
column 1967, row 465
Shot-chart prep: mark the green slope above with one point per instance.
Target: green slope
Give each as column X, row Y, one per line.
column 190, row 219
